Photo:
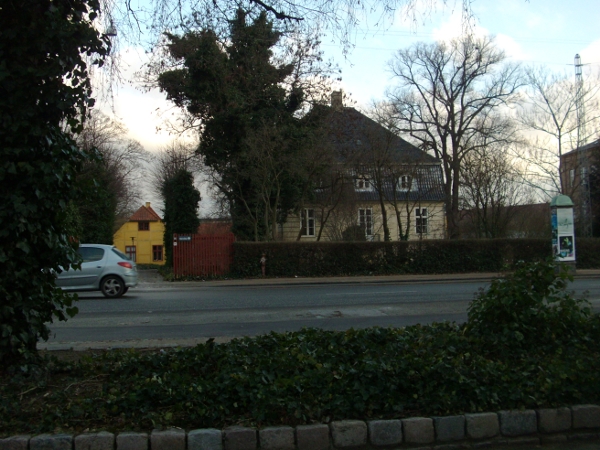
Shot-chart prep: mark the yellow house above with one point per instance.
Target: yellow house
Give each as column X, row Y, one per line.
column 141, row 237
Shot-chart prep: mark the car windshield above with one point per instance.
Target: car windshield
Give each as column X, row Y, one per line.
column 121, row 254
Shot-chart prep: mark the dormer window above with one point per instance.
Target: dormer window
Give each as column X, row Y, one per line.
column 405, row 182
column 363, row 183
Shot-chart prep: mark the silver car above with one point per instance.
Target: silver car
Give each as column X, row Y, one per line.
column 103, row 268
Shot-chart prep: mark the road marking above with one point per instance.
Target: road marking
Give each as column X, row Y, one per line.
column 373, row 293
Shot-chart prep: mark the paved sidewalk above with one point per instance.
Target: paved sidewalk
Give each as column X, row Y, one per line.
column 151, row 277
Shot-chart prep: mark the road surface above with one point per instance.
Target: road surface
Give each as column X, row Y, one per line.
column 172, row 314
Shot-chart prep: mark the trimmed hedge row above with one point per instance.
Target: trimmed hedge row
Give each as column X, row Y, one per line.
column 313, row 259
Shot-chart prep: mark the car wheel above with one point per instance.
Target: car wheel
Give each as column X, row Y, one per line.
column 112, row 287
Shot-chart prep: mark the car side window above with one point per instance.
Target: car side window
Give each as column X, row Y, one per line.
column 89, row 254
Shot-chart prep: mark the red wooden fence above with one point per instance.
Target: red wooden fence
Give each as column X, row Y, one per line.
column 196, row 254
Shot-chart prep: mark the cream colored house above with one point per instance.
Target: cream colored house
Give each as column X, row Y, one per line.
column 379, row 178
column 142, row 237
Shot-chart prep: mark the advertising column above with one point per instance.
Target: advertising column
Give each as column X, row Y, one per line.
column 563, row 229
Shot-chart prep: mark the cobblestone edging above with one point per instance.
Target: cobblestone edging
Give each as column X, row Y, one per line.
column 468, row 431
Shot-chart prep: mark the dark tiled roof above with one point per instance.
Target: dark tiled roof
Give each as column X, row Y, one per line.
column 352, row 134
column 145, row 214
column 426, row 185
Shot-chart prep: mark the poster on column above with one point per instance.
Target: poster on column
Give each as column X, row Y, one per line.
column 563, row 234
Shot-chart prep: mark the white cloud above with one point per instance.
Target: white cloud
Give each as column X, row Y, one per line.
column 144, row 113
column 511, row 47
column 590, row 54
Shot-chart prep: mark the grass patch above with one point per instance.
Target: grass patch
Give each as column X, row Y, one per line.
column 546, row 354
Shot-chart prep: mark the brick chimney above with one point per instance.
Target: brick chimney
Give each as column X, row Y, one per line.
column 337, row 101
column 147, row 204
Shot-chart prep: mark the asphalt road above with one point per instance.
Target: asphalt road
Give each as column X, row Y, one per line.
column 168, row 315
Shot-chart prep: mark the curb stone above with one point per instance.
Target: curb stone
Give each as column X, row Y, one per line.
column 207, row 439
column 349, row 433
column 482, row 425
column 95, row 441
column 518, row 423
column 418, row 430
column 276, row 438
column 451, row 428
column 383, row 433
column 173, row 439
column 132, row 441
column 469, row 431
column 51, row 442
column 554, row 420
column 586, row 416
column 239, row 438
column 20, row 442
column 312, row 437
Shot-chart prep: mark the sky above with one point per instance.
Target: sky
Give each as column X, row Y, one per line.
column 532, row 32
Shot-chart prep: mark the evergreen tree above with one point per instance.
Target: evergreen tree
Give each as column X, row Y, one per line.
column 250, row 136
column 96, row 205
column 181, row 208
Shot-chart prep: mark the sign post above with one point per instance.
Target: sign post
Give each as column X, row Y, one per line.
column 563, row 231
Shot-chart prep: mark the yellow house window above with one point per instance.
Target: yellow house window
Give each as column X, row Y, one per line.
column 157, row 253
column 143, row 226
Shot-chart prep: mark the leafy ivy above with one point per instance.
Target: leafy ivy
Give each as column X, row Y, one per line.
column 46, row 47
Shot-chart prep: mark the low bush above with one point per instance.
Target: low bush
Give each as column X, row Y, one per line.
column 529, row 308
column 527, row 344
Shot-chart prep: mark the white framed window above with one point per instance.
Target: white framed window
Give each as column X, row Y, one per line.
column 363, row 183
column 365, row 220
column 421, row 220
column 131, row 252
column 405, row 182
column 308, row 222
column 572, row 177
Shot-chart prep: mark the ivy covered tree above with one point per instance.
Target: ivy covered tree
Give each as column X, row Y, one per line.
column 181, row 208
column 251, row 133
column 45, row 51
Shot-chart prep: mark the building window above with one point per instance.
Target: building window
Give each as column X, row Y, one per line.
column 157, row 253
column 405, row 182
column 130, row 251
column 421, row 220
column 572, row 177
column 143, row 226
column 308, row 222
column 363, row 183
column 584, row 176
column 365, row 220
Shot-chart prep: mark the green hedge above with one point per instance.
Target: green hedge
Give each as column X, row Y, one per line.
column 315, row 259
column 310, row 259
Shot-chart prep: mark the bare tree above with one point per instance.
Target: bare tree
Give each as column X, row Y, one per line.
column 491, row 191
column 403, row 176
column 170, row 160
column 146, row 22
column 121, row 157
column 447, row 97
column 551, row 120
